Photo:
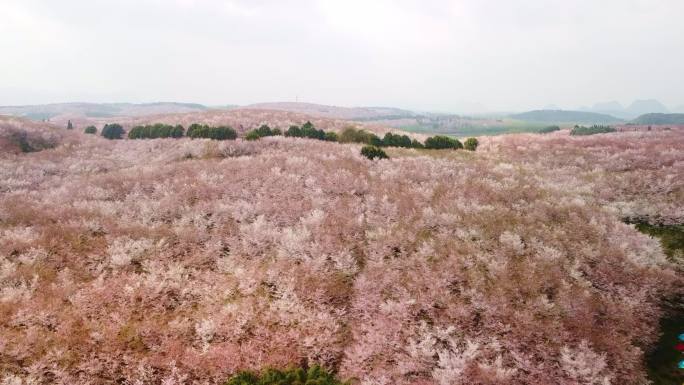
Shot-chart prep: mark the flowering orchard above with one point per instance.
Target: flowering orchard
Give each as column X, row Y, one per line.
column 185, row 261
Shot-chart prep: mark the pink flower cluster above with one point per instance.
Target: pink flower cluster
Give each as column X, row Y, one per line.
column 183, row 261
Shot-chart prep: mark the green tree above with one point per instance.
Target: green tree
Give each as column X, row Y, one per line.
column 373, row 152
column 69, row 125
column 331, row 136
column 471, row 144
column 315, row 375
column 416, row 144
column 252, row 135
column 441, row 142
column 294, row 132
column 113, row 131
column 90, row 130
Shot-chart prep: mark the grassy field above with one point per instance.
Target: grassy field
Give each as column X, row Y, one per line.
column 502, row 126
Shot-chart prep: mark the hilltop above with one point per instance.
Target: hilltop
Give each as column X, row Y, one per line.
column 655, row 119
column 60, row 111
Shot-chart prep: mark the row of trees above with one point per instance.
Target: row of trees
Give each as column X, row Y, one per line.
column 263, row 131
column 595, row 129
column 154, row 131
column 204, row 131
column 307, row 130
column 354, row 135
column 548, row 129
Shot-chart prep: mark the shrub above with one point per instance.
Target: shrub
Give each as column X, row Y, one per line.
column 314, row 376
column 252, row 135
column 471, row 144
column 90, row 130
column 548, row 129
column 416, row 144
column 113, row 131
column 21, row 140
column 440, row 142
column 373, row 152
column 394, row 140
column 158, row 130
column 307, row 130
column 204, row 131
column 595, row 129
column 294, row 132
column 353, row 135
column 331, row 136
column 262, row 131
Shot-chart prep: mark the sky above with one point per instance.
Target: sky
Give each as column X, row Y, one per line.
column 431, row 55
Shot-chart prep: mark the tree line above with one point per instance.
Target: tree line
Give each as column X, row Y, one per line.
column 306, row 130
column 595, row 129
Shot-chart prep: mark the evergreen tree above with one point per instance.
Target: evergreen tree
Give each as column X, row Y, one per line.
column 112, row 131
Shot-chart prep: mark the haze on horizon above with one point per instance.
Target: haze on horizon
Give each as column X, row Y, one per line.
column 456, row 56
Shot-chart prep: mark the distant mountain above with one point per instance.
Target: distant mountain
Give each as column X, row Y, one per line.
column 659, row 118
column 564, row 116
column 97, row 110
column 612, row 108
column 640, row 107
column 335, row 112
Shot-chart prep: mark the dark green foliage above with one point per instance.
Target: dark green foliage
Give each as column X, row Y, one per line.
column 394, row 140
column 314, row 376
column 416, row 144
column 252, row 135
column 307, row 130
column 113, row 131
column 671, row 237
column 373, row 152
column 440, row 142
column 353, row 135
column 548, row 129
column 471, row 144
column 331, row 136
column 204, row 131
column 90, row 130
column 70, row 126
column 262, row 131
column 595, row 129
column 294, row 132
column 662, row 361
column 158, row 130
column 26, row 141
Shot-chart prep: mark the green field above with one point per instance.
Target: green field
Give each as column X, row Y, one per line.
column 501, row 126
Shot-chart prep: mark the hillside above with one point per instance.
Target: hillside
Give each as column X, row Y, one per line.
column 640, row 107
column 564, row 116
column 244, row 119
column 674, row 119
column 61, row 111
column 183, row 261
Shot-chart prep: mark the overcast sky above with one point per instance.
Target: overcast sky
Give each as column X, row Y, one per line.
column 458, row 55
